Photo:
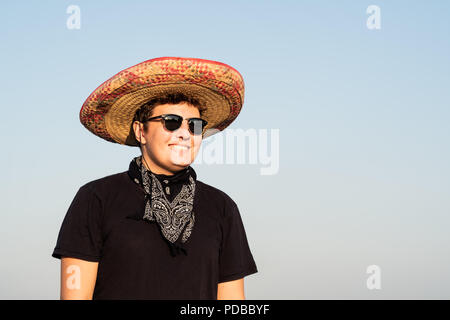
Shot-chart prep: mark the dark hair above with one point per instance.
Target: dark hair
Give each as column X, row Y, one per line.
column 146, row 110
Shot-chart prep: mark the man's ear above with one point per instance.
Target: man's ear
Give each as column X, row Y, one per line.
column 138, row 129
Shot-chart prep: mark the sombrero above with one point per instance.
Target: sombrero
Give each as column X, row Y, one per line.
column 109, row 110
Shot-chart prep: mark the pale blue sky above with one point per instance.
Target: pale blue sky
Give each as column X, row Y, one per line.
column 362, row 114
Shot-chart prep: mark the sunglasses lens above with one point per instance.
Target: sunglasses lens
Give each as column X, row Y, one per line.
column 172, row 122
column 196, row 126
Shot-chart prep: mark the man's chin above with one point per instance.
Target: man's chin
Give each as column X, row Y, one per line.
column 177, row 165
column 180, row 161
column 180, row 166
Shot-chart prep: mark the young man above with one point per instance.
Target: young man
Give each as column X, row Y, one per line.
column 155, row 231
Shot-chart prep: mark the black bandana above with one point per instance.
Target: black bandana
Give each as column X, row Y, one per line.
column 173, row 212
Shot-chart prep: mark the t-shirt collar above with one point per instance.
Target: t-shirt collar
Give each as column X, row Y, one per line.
column 180, row 177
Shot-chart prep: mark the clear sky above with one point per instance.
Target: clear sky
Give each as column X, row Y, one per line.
column 362, row 115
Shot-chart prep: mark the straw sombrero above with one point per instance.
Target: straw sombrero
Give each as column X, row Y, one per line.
column 109, row 110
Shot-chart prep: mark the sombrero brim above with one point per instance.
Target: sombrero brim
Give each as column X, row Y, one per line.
column 109, row 110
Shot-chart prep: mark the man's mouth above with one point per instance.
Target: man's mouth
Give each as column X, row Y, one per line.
column 179, row 147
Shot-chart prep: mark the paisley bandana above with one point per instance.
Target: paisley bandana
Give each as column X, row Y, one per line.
column 175, row 217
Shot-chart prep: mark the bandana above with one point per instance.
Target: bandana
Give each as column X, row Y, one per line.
column 169, row 201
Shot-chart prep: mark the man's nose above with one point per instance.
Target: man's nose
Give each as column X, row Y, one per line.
column 183, row 130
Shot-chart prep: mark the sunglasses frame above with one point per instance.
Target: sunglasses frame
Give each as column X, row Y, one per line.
column 163, row 117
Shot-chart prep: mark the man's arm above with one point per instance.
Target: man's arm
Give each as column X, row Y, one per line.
column 231, row 290
column 77, row 279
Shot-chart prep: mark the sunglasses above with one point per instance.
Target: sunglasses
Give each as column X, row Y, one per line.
column 172, row 122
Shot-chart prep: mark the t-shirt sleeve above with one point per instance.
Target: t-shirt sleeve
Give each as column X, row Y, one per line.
column 80, row 235
column 235, row 258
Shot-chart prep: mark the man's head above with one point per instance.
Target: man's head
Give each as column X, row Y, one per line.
column 158, row 145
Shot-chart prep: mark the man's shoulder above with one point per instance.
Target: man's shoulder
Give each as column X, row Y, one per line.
column 213, row 193
column 107, row 182
column 217, row 200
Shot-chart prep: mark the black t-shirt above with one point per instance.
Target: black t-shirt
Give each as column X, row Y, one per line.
column 134, row 261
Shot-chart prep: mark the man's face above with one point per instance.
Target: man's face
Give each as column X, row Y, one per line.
column 160, row 145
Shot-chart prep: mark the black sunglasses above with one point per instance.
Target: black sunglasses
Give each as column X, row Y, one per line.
column 173, row 121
